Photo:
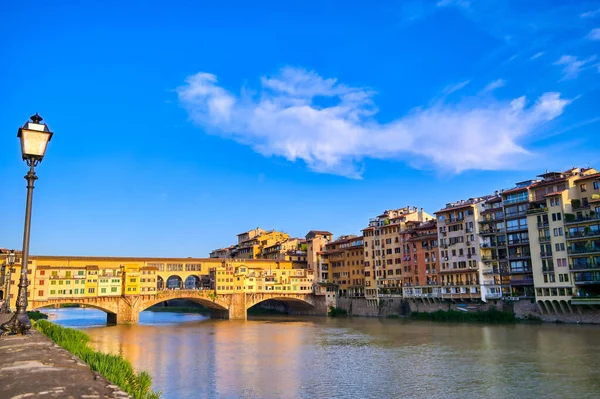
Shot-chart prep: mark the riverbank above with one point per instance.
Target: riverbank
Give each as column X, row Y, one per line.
column 115, row 368
column 34, row 366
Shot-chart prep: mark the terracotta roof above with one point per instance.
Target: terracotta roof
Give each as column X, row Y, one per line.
column 549, row 182
column 323, row 232
column 515, row 190
column 554, row 193
column 593, row 176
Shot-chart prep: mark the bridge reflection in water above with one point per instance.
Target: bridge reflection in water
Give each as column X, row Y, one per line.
column 348, row 358
column 125, row 309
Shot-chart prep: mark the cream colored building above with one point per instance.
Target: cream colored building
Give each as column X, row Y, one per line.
column 383, row 251
column 462, row 274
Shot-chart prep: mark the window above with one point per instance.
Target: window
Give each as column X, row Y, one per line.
column 583, row 187
column 556, row 217
column 91, row 290
column 103, row 290
column 40, row 293
column 558, row 232
column 42, row 282
column 596, row 185
column 42, row 272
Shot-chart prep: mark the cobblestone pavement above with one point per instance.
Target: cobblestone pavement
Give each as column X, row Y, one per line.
column 33, row 366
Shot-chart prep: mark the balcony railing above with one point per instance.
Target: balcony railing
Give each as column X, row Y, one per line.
column 548, row 269
column 533, row 211
column 490, row 271
column 543, row 224
column 587, row 278
column 585, row 250
column 546, row 254
column 585, row 266
column 522, row 241
column 573, row 220
column 582, row 234
column 544, row 239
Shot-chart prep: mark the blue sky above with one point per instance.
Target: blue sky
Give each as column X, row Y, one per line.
column 178, row 127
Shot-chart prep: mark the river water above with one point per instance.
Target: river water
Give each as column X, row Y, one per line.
column 192, row 356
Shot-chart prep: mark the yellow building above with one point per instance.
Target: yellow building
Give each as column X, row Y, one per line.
column 261, row 276
column 131, row 279
column 64, row 277
column 344, row 258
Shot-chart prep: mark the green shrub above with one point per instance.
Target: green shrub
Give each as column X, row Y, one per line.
column 34, row 315
column 116, row 369
column 335, row 311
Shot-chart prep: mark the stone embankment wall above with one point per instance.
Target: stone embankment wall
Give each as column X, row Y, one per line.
column 524, row 309
column 559, row 313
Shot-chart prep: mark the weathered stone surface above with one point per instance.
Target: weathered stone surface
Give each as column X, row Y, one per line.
column 126, row 309
column 32, row 366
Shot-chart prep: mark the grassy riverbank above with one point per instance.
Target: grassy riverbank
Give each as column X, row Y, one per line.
column 488, row 316
column 116, row 369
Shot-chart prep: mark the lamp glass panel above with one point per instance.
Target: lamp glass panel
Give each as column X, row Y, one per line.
column 34, row 142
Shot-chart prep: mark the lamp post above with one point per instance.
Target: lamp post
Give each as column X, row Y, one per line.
column 10, row 260
column 34, row 137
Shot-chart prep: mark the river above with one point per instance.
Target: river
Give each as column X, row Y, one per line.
column 192, row 356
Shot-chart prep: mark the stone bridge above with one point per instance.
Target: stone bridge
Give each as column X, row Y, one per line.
column 125, row 309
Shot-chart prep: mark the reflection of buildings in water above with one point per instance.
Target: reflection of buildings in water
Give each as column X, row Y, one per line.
column 242, row 350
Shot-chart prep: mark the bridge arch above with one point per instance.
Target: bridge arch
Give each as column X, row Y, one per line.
column 192, row 282
column 282, row 303
column 174, row 282
column 111, row 314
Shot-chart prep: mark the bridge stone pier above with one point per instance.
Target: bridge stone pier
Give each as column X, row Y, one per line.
column 126, row 309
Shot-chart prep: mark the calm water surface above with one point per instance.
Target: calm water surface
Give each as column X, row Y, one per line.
column 191, row 356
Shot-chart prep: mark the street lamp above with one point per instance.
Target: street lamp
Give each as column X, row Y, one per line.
column 34, row 137
column 10, row 262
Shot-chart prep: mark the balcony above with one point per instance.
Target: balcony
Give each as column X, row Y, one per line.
column 586, row 300
column 586, row 278
column 544, row 239
column 548, row 269
column 490, row 295
column 541, row 225
column 584, row 266
column 489, row 271
column 522, row 281
column 583, row 250
column 571, row 219
column 488, row 232
column 521, row 270
column 515, row 214
column 578, row 235
column 534, row 211
column 523, row 241
column 546, row 254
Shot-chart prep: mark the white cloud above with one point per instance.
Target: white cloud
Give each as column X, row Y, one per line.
column 594, row 34
column 496, row 84
column 457, row 3
column 590, row 14
column 299, row 115
column 537, row 55
column 572, row 66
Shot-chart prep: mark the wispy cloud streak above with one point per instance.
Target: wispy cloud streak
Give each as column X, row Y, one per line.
column 330, row 126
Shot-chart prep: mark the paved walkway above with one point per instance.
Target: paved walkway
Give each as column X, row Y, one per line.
column 33, row 366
